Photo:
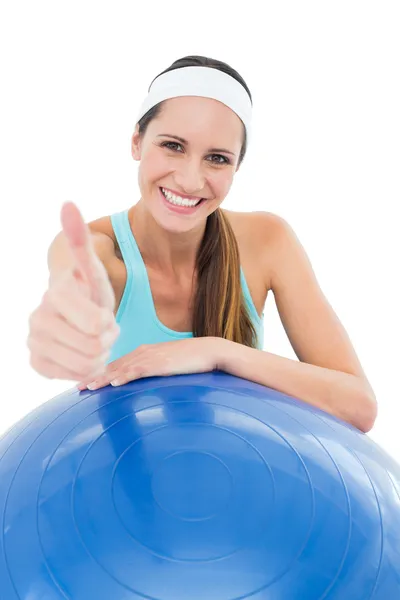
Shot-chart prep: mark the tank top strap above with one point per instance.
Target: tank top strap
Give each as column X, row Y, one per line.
column 136, row 280
column 127, row 243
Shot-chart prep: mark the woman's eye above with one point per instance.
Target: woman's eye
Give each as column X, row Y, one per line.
column 224, row 161
column 168, row 144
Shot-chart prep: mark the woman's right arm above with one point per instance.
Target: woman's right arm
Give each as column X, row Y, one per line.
column 72, row 330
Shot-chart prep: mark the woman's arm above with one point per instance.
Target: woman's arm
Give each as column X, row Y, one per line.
column 343, row 395
column 329, row 373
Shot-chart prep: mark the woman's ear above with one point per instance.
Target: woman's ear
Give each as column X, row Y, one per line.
column 136, row 144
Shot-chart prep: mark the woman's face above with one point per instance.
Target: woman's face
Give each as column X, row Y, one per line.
column 202, row 166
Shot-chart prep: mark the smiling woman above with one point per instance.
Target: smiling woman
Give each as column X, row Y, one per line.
column 196, row 168
column 184, row 280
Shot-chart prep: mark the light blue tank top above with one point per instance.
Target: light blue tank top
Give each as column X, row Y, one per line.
column 136, row 314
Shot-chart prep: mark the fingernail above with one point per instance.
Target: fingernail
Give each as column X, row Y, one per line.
column 115, row 382
column 91, row 386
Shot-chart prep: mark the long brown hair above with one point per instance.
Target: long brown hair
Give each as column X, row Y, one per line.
column 219, row 306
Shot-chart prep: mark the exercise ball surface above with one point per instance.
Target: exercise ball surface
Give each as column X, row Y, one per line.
column 195, row 487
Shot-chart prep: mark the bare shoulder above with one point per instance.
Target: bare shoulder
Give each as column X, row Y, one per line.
column 59, row 253
column 104, row 238
column 102, row 225
column 260, row 224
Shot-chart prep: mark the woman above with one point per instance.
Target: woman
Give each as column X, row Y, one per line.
column 180, row 282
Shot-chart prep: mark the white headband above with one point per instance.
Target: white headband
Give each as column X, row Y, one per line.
column 206, row 82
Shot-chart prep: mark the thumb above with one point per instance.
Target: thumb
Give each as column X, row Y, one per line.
column 81, row 245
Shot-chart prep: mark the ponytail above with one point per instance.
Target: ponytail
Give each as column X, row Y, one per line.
column 219, row 306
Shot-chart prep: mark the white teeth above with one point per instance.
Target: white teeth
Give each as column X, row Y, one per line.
column 178, row 200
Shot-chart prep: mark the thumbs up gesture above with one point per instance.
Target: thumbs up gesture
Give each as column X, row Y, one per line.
column 72, row 330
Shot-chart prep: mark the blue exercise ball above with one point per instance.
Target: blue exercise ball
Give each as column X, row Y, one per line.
column 195, row 487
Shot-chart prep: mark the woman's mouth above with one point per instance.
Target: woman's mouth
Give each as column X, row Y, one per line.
column 179, row 205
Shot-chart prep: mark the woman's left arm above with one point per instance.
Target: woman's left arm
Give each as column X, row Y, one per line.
column 344, row 395
column 329, row 374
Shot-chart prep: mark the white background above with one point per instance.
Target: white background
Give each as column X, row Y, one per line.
column 325, row 153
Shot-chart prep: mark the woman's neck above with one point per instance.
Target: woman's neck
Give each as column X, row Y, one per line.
column 173, row 254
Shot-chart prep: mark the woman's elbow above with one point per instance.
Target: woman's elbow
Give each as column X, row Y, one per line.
column 368, row 412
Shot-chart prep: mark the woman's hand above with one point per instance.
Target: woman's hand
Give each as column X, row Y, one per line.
column 192, row 355
column 72, row 330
